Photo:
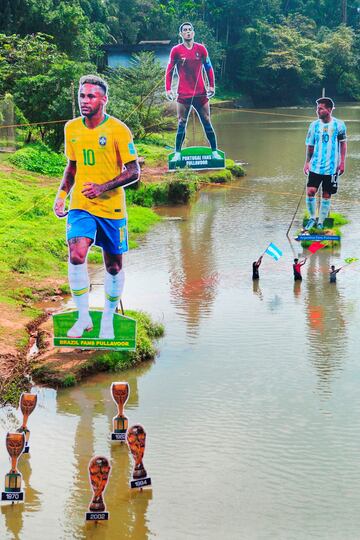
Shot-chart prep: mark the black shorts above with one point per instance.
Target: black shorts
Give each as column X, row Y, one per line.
column 329, row 181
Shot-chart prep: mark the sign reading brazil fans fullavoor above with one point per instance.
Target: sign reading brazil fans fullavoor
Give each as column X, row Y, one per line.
column 124, row 332
column 196, row 158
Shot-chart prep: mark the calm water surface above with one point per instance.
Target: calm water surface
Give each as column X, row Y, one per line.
column 252, row 407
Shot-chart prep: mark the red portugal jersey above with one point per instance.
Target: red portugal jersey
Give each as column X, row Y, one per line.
column 189, row 64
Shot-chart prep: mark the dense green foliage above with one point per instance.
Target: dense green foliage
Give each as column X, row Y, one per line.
column 136, row 96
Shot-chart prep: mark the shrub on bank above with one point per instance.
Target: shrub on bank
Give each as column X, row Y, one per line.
column 178, row 190
column 39, row 158
column 236, row 170
column 222, row 176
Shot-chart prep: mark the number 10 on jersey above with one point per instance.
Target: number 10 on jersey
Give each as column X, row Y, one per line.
column 89, row 157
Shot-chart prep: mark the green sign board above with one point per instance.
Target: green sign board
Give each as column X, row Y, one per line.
column 197, row 158
column 124, row 332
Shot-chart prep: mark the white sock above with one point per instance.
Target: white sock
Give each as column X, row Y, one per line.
column 311, row 206
column 324, row 209
column 79, row 284
column 114, row 286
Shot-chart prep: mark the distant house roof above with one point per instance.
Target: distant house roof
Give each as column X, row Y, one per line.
column 120, row 55
column 141, row 46
column 163, row 42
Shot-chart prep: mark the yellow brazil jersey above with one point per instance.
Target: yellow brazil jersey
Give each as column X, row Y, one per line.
column 100, row 155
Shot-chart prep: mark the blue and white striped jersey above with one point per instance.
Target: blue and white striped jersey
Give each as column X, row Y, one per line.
column 326, row 141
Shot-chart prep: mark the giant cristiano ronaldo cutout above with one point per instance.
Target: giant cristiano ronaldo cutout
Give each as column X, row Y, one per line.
column 196, row 85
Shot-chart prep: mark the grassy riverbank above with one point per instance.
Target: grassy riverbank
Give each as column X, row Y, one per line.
column 33, row 263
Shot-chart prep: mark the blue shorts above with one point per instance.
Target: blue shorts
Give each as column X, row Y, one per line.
column 109, row 234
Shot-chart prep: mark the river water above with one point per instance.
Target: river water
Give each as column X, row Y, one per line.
column 252, row 407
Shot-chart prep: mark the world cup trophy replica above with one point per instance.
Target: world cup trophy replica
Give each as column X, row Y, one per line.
column 27, row 405
column 120, row 394
column 99, row 471
column 15, row 443
column 136, row 437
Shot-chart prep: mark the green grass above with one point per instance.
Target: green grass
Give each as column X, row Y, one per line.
column 32, row 239
column 153, row 153
column 11, row 390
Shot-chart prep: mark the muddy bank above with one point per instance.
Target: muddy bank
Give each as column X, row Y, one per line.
column 40, row 362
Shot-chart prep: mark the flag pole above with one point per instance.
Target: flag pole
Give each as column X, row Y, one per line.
column 297, row 208
column 263, row 253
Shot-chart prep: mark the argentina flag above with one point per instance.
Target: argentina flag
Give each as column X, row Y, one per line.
column 273, row 251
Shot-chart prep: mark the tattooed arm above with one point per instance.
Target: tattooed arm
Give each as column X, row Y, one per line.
column 309, row 154
column 66, row 185
column 129, row 175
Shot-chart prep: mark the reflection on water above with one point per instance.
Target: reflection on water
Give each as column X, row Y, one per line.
column 251, row 410
column 193, row 279
column 326, row 322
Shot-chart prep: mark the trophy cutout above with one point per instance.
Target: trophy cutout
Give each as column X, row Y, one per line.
column 27, row 405
column 99, row 471
column 15, row 443
column 120, row 394
column 136, row 437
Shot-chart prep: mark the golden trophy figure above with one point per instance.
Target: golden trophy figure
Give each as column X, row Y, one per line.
column 27, row 405
column 15, row 443
column 136, row 437
column 120, row 394
column 99, row 471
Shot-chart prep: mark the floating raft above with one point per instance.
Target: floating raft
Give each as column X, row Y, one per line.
column 330, row 232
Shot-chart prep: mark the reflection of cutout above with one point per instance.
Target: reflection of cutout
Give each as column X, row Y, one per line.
column 124, row 330
column 27, row 405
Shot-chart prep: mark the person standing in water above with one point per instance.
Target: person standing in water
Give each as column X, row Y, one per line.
column 333, row 272
column 297, row 269
column 255, row 268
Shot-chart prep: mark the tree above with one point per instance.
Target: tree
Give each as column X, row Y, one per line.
column 136, row 95
column 47, row 98
column 277, row 64
column 341, row 55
